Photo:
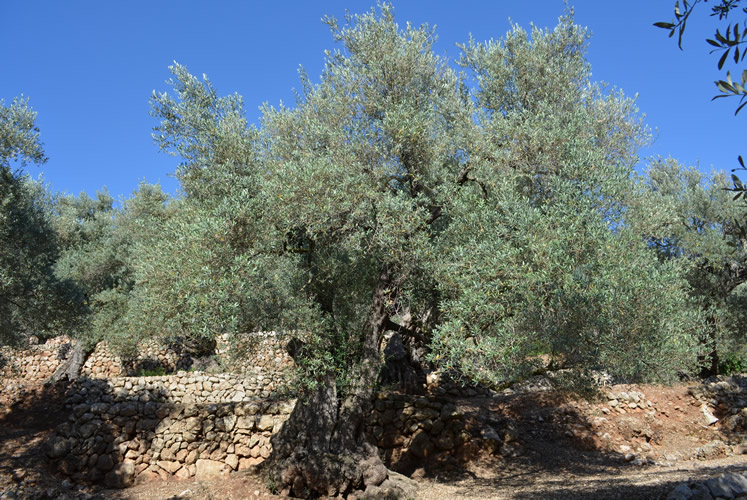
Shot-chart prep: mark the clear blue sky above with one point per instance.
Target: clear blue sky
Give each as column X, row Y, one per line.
column 89, row 68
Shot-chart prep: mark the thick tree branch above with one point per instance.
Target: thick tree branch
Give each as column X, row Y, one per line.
column 464, row 177
column 403, row 330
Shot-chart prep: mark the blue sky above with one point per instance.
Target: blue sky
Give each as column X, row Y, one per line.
column 89, row 67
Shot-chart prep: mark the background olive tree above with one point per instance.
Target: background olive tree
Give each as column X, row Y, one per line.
column 697, row 224
column 33, row 301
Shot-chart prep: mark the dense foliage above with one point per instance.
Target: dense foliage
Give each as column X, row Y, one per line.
column 498, row 214
column 33, row 301
column 499, row 203
column 96, row 243
column 698, row 224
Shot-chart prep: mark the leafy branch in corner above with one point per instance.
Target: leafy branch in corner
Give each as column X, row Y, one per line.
column 729, row 43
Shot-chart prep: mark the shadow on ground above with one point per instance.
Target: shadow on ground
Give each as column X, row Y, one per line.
column 25, row 428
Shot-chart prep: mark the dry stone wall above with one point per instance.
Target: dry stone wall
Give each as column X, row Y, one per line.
column 151, row 355
column 409, row 429
column 262, row 355
column 202, row 425
column 36, row 361
column 197, row 424
column 184, row 425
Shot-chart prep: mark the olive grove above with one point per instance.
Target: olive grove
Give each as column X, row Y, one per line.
column 487, row 215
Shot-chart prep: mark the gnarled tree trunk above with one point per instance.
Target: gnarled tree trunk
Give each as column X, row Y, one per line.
column 322, row 448
column 70, row 367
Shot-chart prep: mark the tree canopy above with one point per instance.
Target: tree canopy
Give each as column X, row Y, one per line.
column 33, row 301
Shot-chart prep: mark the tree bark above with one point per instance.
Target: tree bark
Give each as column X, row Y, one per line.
column 70, row 367
column 322, row 448
column 710, row 360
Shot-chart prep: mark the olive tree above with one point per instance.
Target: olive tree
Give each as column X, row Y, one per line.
column 96, row 241
column 33, row 301
column 697, row 223
column 393, row 197
column 543, row 255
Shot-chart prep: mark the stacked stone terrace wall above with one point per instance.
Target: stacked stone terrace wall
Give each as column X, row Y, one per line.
column 182, row 425
column 262, row 355
column 201, row 425
column 36, row 361
column 151, row 355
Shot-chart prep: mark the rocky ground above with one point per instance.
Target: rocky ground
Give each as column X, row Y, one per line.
column 529, row 442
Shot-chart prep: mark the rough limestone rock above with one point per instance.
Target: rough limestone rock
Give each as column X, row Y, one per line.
column 209, row 469
column 726, row 486
column 421, row 445
column 60, row 447
column 374, row 472
column 708, row 417
column 396, row 486
column 713, row 449
column 266, row 423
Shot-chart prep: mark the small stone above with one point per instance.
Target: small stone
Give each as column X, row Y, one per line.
column 445, row 442
column 710, row 419
column 191, row 457
column 232, row 461
column 737, row 483
column 421, row 445
column 182, row 474
column 227, row 423
column 169, row 466
column 681, row 492
column 711, row 450
column 60, row 447
column 374, row 472
column 266, row 423
column 244, row 423
column 246, row 463
column 105, row 463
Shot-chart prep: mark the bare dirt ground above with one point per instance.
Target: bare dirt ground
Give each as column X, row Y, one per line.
column 554, row 446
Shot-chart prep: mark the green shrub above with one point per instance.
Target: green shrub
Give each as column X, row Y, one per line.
column 154, row 372
column 732, row 363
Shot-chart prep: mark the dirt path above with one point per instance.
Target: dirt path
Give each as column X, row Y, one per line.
column 586, row 479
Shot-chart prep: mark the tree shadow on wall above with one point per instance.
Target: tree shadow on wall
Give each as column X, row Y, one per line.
column 107, row 424
column 538, row 440
column 726, row 395
column 27, row 421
